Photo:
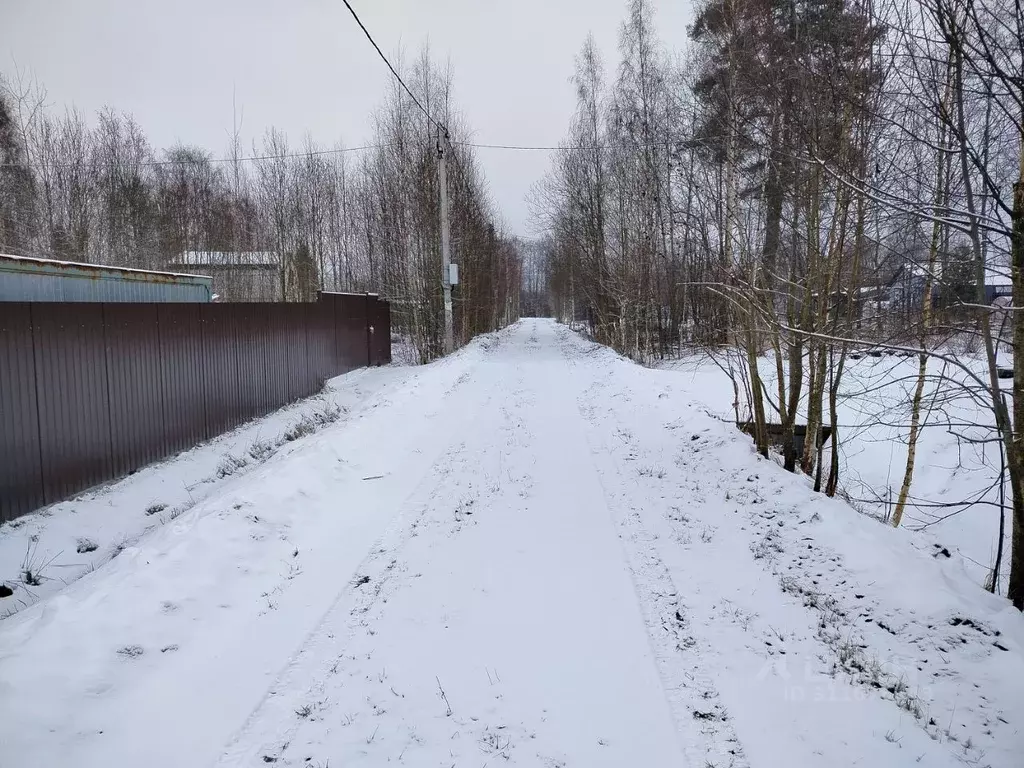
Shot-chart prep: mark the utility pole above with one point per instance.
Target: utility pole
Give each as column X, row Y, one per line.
column 446, row 255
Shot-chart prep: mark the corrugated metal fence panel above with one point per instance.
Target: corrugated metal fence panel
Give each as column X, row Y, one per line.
column 300, row 382
column 361, row 340
column 332, row 302
column 321, row 342
column 350, row 323
column 372, row 334
column 380, row 333
column 90, row 392
column 280, row 319
column 184, row 407
column 265, row 375
column 384, row 339
column 220, row 368
column 21, row 473
column 337, row 349
column 246, row 354
column 135, row 392
column 250, row 349
column 74, row 410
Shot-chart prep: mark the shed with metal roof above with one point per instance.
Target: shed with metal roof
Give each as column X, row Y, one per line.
column 24, row 278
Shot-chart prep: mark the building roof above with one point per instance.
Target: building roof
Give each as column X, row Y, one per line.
column 351, row 293
column 912, row 269
column 31, row 278
column 55, row 264
column 239, row 259
column 997, row 275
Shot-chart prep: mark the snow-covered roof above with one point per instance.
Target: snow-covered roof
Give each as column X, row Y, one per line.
column 921, row 270
column 996, row 275
column 82, row 265
column 229, row 258
column 350, row 293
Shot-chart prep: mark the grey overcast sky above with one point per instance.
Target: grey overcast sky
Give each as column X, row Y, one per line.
column 304, row 66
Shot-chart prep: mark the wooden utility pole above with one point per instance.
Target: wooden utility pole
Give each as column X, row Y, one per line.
column 446, row 256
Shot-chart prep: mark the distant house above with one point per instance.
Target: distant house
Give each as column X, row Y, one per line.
column 955, row 284
column 237, row 276
column 873, row 301
column 997, row 284
column 906, row 287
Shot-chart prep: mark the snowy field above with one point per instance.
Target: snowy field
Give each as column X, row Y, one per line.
column 531, row 553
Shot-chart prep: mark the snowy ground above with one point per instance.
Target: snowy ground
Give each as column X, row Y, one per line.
column 42, row 553
column 955, row 495
column 531, row 553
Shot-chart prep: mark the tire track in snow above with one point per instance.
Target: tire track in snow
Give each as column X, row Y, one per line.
column 341, row 643
column 706, row 733
column 520, row 582
column 376, row 578
column 249, row 746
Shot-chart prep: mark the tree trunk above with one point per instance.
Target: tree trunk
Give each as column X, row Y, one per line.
column 926, row 312
column 1016, row 589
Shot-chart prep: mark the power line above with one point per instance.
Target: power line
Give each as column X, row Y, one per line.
column 519, row 147
column 573, row 147
column 393, row 70
column 211, row 160
column 259, row 158
column 343, row 150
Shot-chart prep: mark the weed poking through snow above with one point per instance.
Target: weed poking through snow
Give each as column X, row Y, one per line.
column 309, row 423
column 261, row 450
column 444, row 697
column 84, row 545
column 230, row 464
column 119, row 546
column 33, row 566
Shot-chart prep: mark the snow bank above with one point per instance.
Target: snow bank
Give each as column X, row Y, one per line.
column 43, row 552
column 952, row 470
column 858, row 640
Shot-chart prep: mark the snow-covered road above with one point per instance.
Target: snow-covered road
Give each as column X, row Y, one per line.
column 503, row 584
column 532, row 553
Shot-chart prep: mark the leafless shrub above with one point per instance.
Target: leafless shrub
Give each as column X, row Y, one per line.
column 230, row 464
column 261, row 450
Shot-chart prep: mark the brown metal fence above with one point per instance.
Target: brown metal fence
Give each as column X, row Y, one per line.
column 92, row 392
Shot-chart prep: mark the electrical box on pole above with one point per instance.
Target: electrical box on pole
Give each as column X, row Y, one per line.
column 453, row 274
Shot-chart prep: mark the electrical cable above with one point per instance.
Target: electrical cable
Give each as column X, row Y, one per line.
column 393, row 70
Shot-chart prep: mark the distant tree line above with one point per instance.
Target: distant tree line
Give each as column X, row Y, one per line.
column 327, row 218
